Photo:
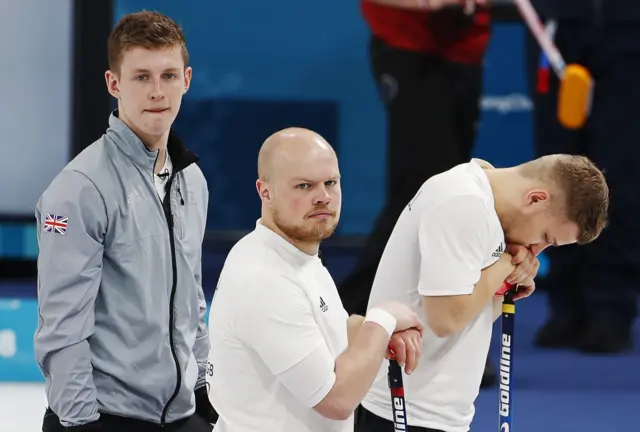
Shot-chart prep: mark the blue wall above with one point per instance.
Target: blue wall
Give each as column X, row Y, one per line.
column 260, row 66
column 284, row 58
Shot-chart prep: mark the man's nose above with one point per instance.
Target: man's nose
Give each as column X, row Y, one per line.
column 322, row 196
column 156, row 92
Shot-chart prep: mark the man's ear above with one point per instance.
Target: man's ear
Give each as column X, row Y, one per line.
column 534, row 202
column 538, row 196
column 113, row 83
column 188, row 73
column 263, row 190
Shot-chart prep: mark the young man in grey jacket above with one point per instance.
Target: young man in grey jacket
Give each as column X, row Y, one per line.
column 122, row 339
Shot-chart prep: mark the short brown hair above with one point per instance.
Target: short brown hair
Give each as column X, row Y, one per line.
column 583, row 187
column 150, row 30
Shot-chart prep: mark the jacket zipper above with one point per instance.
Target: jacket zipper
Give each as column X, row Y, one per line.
column 166, row 205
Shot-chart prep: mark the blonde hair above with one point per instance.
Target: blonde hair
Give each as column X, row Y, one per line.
column 580, row 185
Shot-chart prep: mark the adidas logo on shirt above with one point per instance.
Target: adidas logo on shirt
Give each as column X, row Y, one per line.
column 498, row 252
column 323, row 305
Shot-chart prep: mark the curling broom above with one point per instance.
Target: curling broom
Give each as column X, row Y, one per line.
column 576, row 83
column 505, row 398
column 397, row 395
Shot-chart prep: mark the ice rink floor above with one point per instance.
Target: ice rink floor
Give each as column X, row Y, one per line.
column 554, row 391
column 21, row 407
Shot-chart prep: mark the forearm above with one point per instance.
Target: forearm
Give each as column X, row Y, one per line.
column 201, row 352
column 354, row 323
column 490, row 281
column 71, row 392
column 449, row 314
column 61, row 346
column 497, row 307
column 202, row 343
column 358, row 366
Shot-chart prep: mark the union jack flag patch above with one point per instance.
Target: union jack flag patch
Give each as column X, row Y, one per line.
column 55, row 224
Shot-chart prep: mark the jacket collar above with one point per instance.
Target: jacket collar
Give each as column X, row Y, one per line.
column 129, row 143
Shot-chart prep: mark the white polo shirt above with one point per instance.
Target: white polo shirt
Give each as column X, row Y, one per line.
column 443, row 239
column 276, row 325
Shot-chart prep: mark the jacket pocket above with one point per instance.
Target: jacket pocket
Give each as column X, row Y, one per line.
column 141, row 217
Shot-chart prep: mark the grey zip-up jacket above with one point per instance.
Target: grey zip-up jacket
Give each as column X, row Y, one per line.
column 122, row 312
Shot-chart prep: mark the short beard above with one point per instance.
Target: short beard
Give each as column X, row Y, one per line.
column 316, row 234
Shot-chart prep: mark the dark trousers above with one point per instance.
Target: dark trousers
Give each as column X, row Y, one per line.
column 599, row 279
column 112, row 423
column 366, row 421
column 432, row 107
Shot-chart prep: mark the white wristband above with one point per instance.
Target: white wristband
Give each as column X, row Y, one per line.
column 383, row 318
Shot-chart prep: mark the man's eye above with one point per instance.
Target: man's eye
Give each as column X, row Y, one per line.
column 303, row 186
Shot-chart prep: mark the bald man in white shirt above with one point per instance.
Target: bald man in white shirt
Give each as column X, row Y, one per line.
column 285, row 356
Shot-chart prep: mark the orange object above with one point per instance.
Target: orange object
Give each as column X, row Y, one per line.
column 576, row 83
column 574, row 96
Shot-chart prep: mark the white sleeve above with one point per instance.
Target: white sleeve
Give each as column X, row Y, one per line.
column 311, row 379
column 280, row 327
column 453, row 239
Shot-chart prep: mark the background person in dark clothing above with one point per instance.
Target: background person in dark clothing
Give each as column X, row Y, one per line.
column 426, row 57
column 592, row 289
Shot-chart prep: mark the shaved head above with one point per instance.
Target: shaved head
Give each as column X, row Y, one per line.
column 299, row 185
column 290, row 146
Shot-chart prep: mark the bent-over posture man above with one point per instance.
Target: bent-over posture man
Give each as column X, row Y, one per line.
column 285, row 356
column 426, row 60
column 122, row 339
column 462, row 235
